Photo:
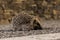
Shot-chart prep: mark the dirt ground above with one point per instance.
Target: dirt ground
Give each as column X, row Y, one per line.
column 54, row 36
column 51, row 26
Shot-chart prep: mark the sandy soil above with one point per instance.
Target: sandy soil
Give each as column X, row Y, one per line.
column 52, row 26
column 55, row 36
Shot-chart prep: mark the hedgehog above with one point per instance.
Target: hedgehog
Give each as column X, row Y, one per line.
column 25, row 22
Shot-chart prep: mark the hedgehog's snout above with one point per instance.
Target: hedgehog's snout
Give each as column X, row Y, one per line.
column 36, row 25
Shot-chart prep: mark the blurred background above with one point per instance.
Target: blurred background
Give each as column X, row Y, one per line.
column 45, row 9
